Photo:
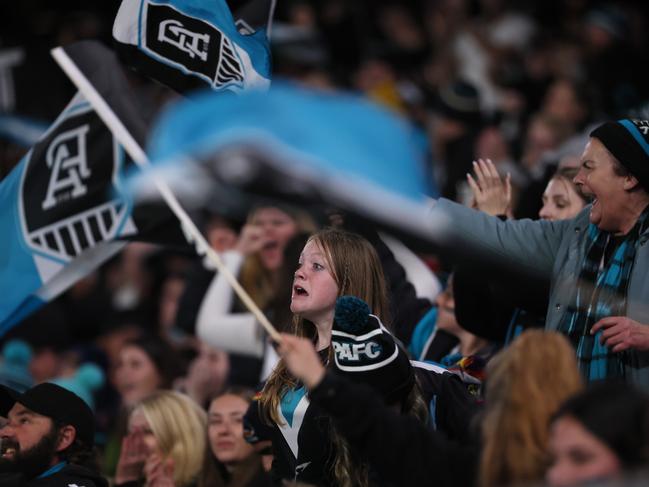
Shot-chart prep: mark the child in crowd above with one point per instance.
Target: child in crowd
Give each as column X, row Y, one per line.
column 333, row 263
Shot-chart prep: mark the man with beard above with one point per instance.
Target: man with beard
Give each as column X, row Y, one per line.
column 46, row 439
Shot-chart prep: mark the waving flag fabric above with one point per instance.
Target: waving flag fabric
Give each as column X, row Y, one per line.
column 300, row 145
column 188, row 44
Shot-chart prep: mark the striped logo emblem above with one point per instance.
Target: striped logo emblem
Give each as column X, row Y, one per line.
column 68, row 200
column 192, row 44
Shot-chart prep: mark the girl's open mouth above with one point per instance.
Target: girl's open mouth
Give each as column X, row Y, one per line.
column 300, row 291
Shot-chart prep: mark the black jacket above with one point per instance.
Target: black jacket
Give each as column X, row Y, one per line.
column 399, row 448
column 68, row 475
column 452, row 408
column 314, row 450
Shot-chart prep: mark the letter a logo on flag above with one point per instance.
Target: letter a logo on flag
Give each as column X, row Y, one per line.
column 187, row 43
column 64, row 207
column 62, row 211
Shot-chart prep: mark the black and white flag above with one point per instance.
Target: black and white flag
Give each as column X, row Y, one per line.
column 191, row 44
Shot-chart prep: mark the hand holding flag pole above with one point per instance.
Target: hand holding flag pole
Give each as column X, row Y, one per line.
column 139, row 156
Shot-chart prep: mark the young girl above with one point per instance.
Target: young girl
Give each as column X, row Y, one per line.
column 333, row 263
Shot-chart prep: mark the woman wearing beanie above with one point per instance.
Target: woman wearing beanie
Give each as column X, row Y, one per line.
column 596, row 261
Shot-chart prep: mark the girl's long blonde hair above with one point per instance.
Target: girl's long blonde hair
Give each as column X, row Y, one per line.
column 357, row 271
column 526, row 383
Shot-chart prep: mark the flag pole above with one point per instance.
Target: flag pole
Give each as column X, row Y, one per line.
column 271, row 14
column 192, row 233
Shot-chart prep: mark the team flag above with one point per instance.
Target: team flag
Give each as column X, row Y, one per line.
column 63, row 210
column 300, row 145
column 188, row 44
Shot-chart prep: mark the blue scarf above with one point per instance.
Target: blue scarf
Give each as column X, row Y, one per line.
column 601, row 291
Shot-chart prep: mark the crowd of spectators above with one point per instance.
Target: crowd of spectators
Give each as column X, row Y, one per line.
column 504, row 96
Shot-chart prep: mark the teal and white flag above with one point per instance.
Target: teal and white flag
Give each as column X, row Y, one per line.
column 188, row 44
column 295, row 144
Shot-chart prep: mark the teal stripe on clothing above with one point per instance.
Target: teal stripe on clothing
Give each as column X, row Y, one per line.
column 633, row 130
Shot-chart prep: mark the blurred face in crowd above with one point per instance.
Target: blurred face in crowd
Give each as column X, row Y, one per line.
column 220, row 234
column 172, row 290
column 491, row 144
column 209, row 370
column 45, row 364
column 561, row 101
column 560, row 200
column 225, row 429
column 277, row 228
column 540, row 138
column 138, row 425
column 578, row 455
column 314, row 287
column 597, row 178
column 136, row 376
column 112, row 342
column 29, row 442
column 446, row 310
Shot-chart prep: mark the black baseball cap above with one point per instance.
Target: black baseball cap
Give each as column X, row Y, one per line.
column 56, row 403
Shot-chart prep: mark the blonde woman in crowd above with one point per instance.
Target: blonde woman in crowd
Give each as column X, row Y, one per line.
column 165, row 443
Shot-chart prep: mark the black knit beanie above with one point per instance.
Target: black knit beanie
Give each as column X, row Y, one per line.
column 628, row 141
column 365, row 351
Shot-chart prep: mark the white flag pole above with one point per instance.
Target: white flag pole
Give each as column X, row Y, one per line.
column 271, row 14
column 139, row 156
